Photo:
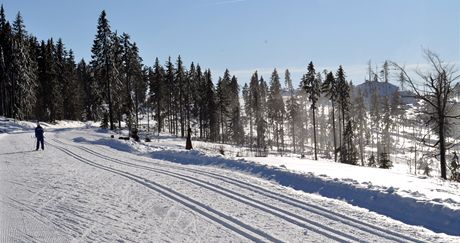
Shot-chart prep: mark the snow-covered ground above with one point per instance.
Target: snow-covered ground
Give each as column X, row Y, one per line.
column 87, row 186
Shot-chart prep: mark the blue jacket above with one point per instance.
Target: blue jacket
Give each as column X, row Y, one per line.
column 39, row 132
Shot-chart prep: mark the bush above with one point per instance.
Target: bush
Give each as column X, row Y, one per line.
column 221, row 150
column 134, row 135
column 384, row 161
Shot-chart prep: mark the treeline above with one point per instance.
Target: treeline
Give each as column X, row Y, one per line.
column 41, row 80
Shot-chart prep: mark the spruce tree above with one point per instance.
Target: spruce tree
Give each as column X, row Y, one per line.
column 276, row 109
column 292, row 108
column 157, row 92
column 261, row 109
column 169, row 80
column 86, row 83
column 253, row 104
column 347, row 150
column 223, row 103
column 73, row 93
column 24, row 72
column 247, row 108
column 211, row 108
column 386, row 138
column 236, row 126
column 101, row 62
column 180, row 87
column 62, row 84
column 311, row 85
column 5, row 38
column 329, row 87
column 375, row 115
column 360, row 116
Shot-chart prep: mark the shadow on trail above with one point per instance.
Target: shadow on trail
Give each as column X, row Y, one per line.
column 109, row 142
column 430, row 215
column 18, row 152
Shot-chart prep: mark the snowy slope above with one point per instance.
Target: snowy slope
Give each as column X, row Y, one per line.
column 88, row 187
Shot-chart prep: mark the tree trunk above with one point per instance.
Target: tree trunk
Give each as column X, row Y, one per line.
column 109, row 96
column 333, row 131
column 314, row 132
column 442, row 147
column 293, row 133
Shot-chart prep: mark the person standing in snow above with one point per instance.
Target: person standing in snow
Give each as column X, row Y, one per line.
column 39, row 135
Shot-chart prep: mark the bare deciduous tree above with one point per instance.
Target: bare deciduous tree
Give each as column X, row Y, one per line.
column 436, row 88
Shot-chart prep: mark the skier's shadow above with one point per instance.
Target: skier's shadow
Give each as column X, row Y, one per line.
column 18, row 152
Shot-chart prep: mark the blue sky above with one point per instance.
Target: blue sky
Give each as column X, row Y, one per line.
column 248, row 35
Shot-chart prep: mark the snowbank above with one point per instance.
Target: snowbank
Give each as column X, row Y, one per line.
column 366, row 191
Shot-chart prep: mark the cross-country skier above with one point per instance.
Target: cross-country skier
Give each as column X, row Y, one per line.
column 39, row 135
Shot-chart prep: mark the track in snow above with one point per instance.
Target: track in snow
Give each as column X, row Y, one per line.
column 355, row 225
column 208, row 212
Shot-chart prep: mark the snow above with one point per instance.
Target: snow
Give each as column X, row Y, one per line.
column 87, row 186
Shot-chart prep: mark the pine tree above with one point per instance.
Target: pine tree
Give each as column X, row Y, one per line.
column 386, row 125
column 50, row 88
column 253, row 104
column 139, row 82
column 247, row 108
column 24, row 72
column 276, row 109
column 292, row 108
column 86, row 84
column 62, row 77
column 201, row 100
column 157, row 92
column 360, row 115
column 117, row 77
column 375, row 118
column 169, row 80
column 223, row 103
column 189, row 92
column 179, row 82
column 131, row 77
column 329, row 87
column 261, row 108
column 236, row 126
column 5, row 54
column 348, row 152
column 311, row 85
column 101, row 62
column 211, row 108
column 73, row 92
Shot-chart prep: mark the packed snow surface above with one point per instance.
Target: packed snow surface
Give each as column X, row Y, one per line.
column 86, row 186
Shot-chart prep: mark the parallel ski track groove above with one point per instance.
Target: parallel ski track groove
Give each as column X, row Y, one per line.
column 278, row 212
column 255, row 203
column 175, row 196
column 385, row 233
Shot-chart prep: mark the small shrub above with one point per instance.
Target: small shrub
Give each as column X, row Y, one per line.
column 221, row 150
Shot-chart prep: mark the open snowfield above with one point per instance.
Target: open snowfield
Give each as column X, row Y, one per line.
column 86, row 186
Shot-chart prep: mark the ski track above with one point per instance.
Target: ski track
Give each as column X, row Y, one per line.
column 363, row 226
column 191, row 203
column 291, row 217
column 208, row 212
column 318, row 228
